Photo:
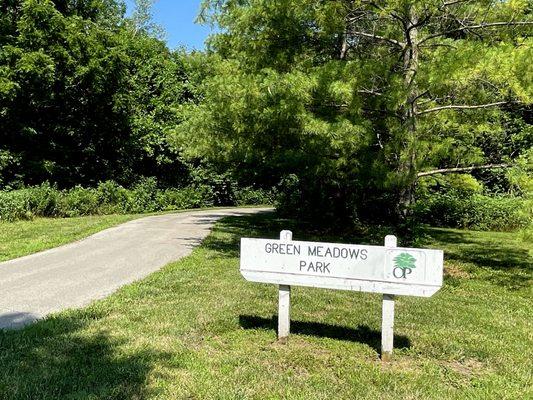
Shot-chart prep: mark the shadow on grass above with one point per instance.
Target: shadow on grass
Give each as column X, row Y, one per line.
column 268, row 225
column 263, row 224
column 361, row 334
column 16, row 320
column 59, row 358
column 492, row 254
column 506, row 261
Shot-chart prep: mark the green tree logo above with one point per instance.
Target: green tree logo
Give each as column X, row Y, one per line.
column 404, row 261
column 404, row 264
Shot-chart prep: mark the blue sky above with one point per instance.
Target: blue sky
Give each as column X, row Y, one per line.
column 177, row 18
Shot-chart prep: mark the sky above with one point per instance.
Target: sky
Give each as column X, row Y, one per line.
column 177, row 18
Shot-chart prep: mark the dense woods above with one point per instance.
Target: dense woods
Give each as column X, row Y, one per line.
column 85, row 96
column 351, row 111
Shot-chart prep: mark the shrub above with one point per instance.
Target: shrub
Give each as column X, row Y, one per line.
column 289, row 195
column 76, row 202
column 14, row 206
column 113, row 198
column 144, row 197
column 250, row 196
column 43, row 199
column 189, row 197
column 110, row 198
column 477, row 211
column 220, row 187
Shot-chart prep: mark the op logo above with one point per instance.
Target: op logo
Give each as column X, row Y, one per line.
column 404, row 264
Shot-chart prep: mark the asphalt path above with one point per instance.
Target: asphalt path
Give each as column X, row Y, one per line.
column 78, row 273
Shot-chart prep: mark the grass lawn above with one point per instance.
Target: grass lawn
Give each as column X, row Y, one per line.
column 21, row 238
column 197, row 330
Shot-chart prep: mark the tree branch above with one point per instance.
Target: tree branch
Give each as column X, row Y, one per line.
column 392, row 14
column 451, row 46
column 369, row 91
column 473, row 27
column 451, row 3
column 461, row 169
column 394, row 42
column 462, row 107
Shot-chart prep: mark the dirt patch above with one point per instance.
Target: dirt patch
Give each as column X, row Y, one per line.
column 454, row 271
column 467, row 367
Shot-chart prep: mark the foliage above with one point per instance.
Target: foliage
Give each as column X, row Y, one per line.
column 461, row 201
column 339, row 105
column 142, row 19
column 82, row 108
column 476, row 211
column 356, row 98
column 111, row 198
column 250, row 196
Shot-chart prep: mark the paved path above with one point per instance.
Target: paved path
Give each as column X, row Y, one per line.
column 76, row 274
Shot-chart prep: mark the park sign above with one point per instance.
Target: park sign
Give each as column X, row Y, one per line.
column 387, row 269
column 378, row 269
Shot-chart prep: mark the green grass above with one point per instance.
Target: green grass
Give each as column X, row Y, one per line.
column 21, row 238
column 197, row 330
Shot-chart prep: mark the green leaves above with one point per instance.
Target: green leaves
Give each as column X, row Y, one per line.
column 360, row 96
column 84, row 98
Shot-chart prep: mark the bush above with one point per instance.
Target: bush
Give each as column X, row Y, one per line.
column 189, row 197
column 78, row 201
column 14, row 206
column 220, row 187
column 144, row 197
column 111, row 198
column 43, row 200
column 289, row 195
column 250, row 196
column 477, row 211
column 27, row 203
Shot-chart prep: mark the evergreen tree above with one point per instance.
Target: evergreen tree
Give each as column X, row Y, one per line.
column 360, row 99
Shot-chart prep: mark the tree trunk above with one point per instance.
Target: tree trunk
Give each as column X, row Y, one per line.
column 407, row 167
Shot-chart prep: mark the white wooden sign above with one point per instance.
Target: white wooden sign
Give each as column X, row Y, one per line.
column 378, row 269
column 385, row 269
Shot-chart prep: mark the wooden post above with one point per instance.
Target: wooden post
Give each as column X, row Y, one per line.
column 284, row 319
column 387, row 315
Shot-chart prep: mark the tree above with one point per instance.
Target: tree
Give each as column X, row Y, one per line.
column 412, row 31
column 61, row 117
column 84, row 97
column 143, row 20
column 360, row 99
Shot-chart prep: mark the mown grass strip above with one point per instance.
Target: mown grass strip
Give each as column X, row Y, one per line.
column 21, row 238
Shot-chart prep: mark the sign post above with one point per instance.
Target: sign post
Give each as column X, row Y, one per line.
column 284, row 307
column 387, row 313
column 388, row 269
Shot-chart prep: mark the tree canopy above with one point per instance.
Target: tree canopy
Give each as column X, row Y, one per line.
column 356, row 101
column 85, row 95
column 349, row 108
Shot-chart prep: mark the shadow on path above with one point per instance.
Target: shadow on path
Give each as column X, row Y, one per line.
column 16, row 320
